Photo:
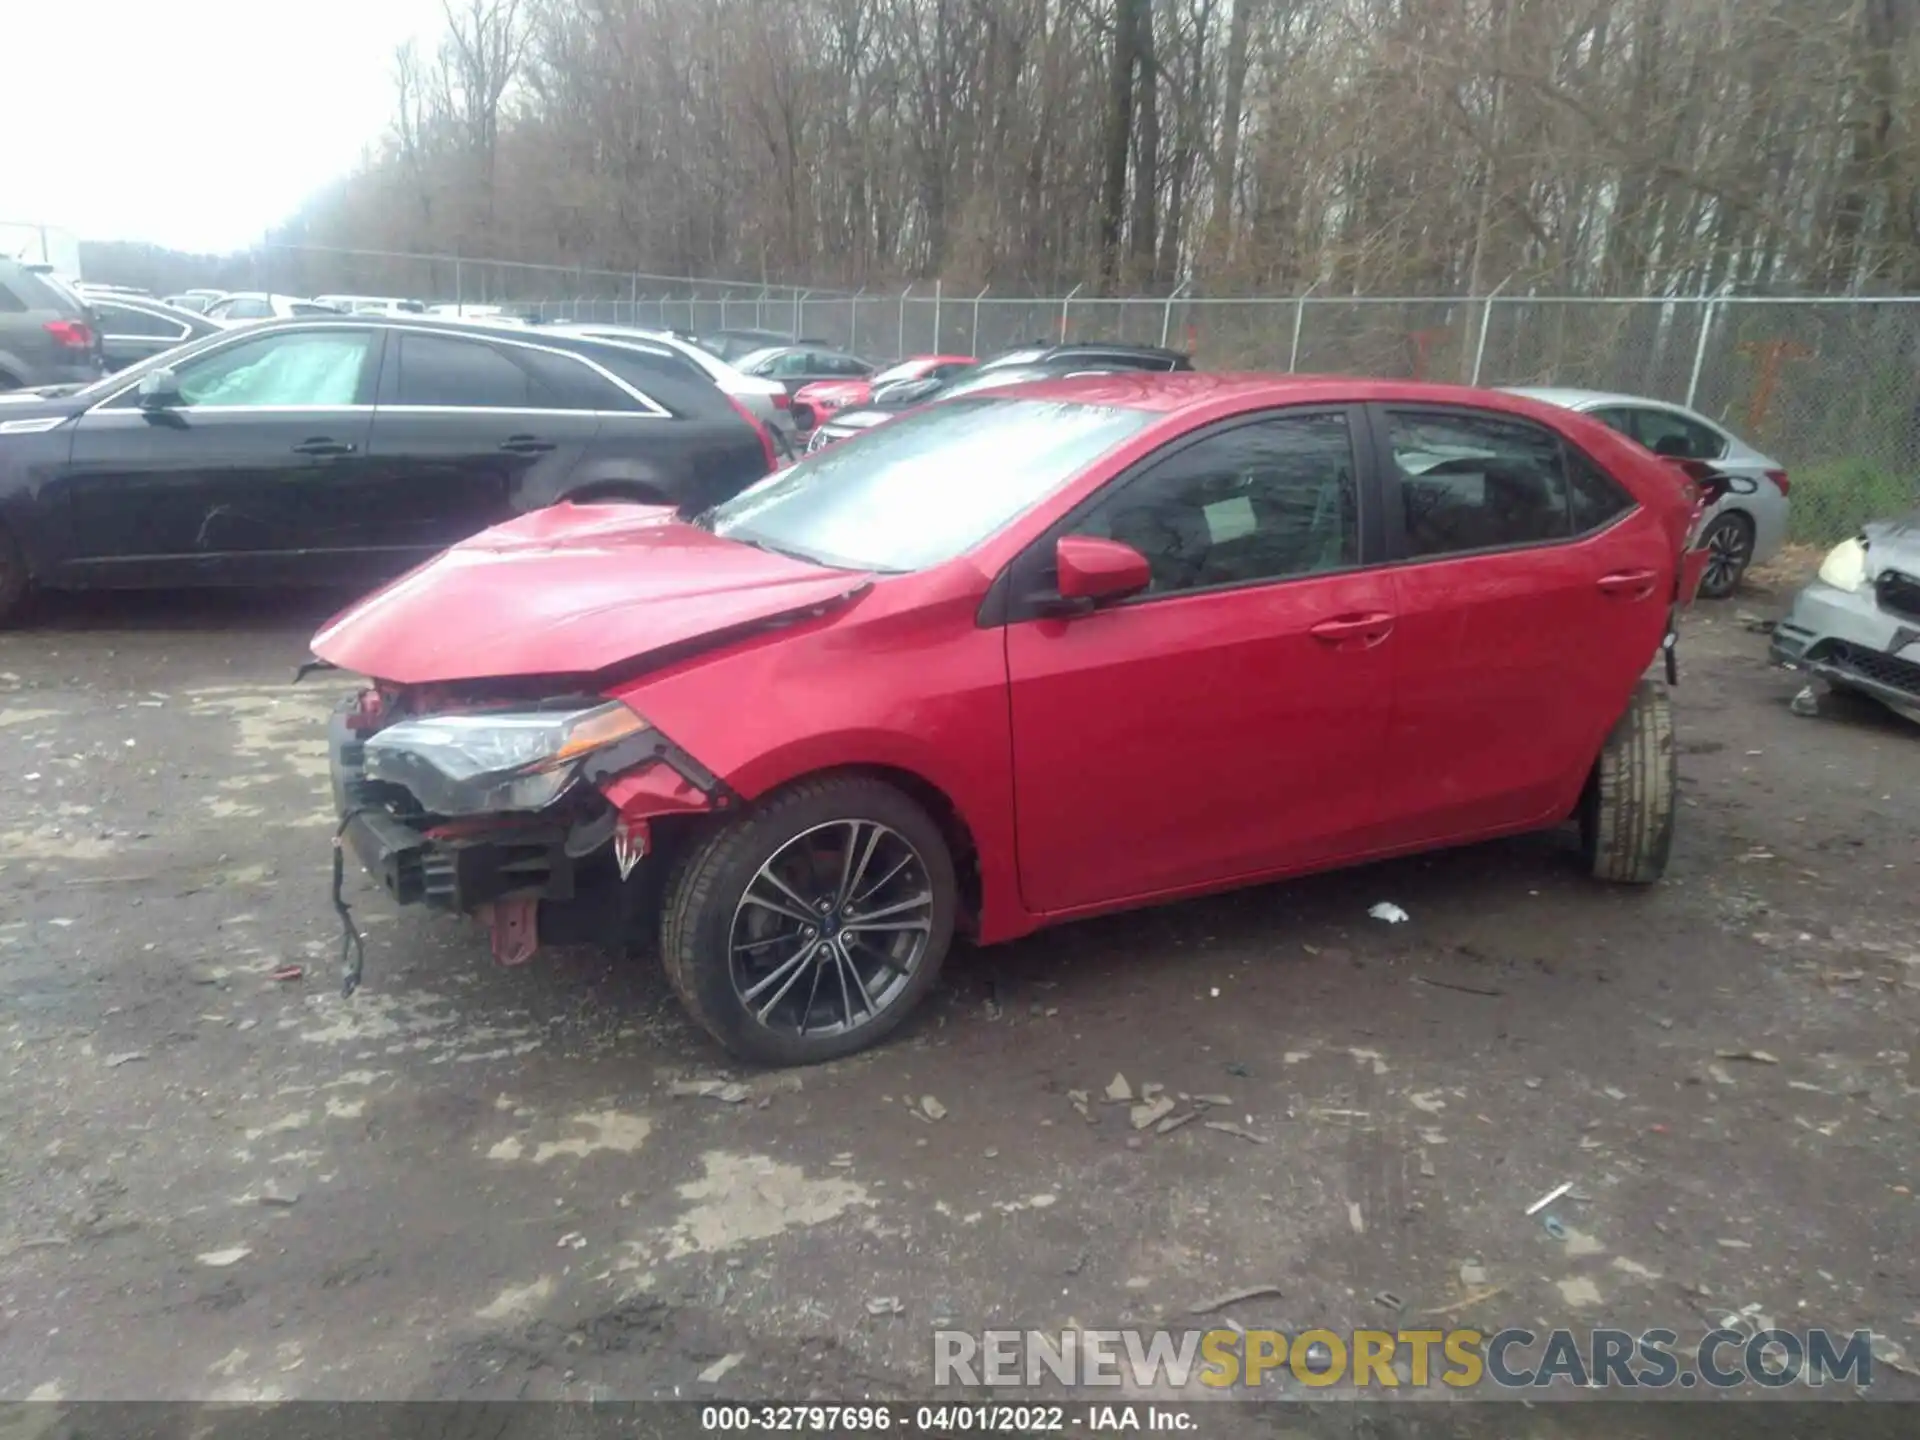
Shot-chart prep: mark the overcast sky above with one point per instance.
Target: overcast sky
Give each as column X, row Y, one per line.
column 197, row 124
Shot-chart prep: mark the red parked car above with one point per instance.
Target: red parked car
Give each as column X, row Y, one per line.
column 1015, row 658
column 827, row 396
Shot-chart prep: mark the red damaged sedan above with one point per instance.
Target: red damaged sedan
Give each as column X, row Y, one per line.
column 826, row 397
column 1016, row 658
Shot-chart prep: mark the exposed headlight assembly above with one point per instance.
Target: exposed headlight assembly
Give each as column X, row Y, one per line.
column 1845, row 567
column 489, row 762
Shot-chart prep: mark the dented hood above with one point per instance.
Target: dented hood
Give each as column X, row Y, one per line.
column 569, row 591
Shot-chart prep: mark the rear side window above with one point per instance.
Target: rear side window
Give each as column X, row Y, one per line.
column 1477, row 482
column 1597, row 498
column 126, row 320
column 436, row 370
column 24, row 290
column 567, row 383
column 246, row 309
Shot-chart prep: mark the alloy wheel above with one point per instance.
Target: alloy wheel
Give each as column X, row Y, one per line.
column 830, row 930
column 1729, row 548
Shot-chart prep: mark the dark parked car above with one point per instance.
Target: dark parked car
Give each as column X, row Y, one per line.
column 132, row 329
column 1114, row 354
column 730, row 345
column 46, row 335
column 330, row 450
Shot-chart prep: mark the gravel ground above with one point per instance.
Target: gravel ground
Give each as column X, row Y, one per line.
column 478, row 1183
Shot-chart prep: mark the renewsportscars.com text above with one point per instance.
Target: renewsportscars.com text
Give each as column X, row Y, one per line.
column 1204, row 1361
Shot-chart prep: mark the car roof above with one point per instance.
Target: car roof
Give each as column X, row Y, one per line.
column 1176, row 392
column 1568, row 398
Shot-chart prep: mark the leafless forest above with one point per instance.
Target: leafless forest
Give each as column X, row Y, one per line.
column 1384, row 146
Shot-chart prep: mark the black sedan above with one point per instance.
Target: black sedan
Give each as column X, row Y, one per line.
column 133, row 328
column 320, row 451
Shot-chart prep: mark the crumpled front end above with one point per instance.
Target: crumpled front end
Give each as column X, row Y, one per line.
column 529, row 811
column 1857, row 630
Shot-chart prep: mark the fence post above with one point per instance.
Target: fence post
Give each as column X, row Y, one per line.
column 902, row 342
column 1486, row 316
column 633, row 300
column 458, row 300
column 1063, row 310
column 800, row 313
column 1166, row 316
column 853, row 320
column 976, row 317
column 1299, row 316
column 1707, row 313
column 938, row 287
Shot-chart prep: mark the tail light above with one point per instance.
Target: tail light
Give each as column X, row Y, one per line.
column 782, row 400
column 70, row 334
column 766, row 440
column 1779, row 479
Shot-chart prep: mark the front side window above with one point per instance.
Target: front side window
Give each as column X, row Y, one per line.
column 925, row 488
column 311, row 368
column 1477, row 482
column 1268, row 501
column 467, row 374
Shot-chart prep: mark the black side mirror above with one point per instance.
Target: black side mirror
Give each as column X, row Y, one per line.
column 159, row 389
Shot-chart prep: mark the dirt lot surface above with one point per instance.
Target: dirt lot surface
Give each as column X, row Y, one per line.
column 478, row 1183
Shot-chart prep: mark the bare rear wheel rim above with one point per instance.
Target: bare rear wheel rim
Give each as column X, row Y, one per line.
column 830, row 931
column 1728, row 551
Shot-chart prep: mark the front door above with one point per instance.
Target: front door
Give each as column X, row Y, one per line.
column 1532, row 594
column 1227, row 721
column 230, row 484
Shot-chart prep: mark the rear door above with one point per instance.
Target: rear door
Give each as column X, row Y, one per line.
column 1228, row 721
column 464, row 426
column 236, row 482
column 1532, row 594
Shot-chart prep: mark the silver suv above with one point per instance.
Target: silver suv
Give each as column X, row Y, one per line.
column 47, row 334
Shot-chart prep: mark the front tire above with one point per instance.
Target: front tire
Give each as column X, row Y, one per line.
column 811, row 926
column 1627, row 815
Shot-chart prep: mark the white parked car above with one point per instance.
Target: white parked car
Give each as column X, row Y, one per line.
column 371, row 304
column 1744, row 528
column 492, row 314
column 766, row 400
column 245, row 306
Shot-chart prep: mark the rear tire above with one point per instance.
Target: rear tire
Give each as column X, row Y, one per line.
column 1627, row 815
column 871, row 873
column 1728, row 542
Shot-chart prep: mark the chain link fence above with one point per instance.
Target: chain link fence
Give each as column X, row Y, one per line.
column 1828, row 387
